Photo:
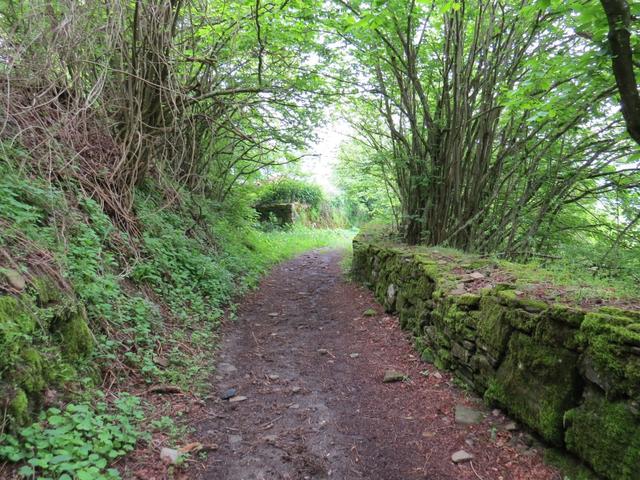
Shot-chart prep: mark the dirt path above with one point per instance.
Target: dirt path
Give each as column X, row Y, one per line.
column 311, row 366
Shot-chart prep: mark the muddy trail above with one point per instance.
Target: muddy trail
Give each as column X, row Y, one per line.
column 307, row 368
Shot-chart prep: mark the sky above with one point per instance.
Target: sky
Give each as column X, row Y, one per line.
column 321, row 165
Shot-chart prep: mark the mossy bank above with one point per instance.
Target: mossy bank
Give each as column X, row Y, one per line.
column 87, row 305
column 570, row 374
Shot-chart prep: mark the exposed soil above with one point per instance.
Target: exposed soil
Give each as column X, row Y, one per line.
column 316, row 410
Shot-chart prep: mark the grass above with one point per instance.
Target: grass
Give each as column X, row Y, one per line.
column 560, row 281
column 289, row 243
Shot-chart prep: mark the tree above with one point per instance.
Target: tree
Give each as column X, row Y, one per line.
column 204, row 92
column 619, row 19
column 491, row 131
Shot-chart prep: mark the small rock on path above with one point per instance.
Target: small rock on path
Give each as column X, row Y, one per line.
column 467, row 416
column 391, row 376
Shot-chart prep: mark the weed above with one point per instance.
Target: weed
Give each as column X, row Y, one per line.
column 77, row 442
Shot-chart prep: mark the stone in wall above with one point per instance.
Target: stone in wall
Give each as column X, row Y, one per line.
column 570, row 375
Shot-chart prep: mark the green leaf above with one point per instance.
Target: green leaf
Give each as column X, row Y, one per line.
column 26, row 471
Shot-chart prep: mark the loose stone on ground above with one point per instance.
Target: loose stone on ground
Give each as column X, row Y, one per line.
column 461, row 456
column 467, row 416
column 391, row 376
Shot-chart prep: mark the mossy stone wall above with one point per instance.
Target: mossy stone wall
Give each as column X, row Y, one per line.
column 570, row 375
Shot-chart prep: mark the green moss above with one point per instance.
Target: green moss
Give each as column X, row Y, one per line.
column 510, row 298
column 523, row 321
column 607, row 435
column 46, row 291
column 608, row 342
column 618, row 312
column 428, row 267
column 493, row 327
column 451, row 319
column 15, row 320
column 483, row 371
column 550, row 330
column 29, row 372
column 537, row 384
column 19, row 407
column 468, row 300
column 569, row 466
column 426, row 355
column 75, row 337
column 369, row 313
column 442, row 359
column 569, row 315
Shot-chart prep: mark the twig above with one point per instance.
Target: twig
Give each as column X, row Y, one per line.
column 269, row 424
column 161, row 389
column 474, row 471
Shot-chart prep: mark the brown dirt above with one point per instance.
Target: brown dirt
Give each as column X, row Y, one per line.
column 317, row 414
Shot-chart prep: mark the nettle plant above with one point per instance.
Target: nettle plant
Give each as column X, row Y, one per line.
column 77, row 442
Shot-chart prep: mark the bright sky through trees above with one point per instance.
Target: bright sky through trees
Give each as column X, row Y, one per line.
column 321, row 166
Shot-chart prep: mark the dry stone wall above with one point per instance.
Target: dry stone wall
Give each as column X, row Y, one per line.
column 572, row 376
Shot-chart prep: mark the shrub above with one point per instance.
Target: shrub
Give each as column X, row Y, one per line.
column 287, row 190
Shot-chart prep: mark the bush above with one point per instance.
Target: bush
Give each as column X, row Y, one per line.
column 287, row 190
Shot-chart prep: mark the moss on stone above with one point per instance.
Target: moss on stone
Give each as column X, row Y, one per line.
column 14, row 318
column 428, row 268
column 468, row 301
column 451, row 317
column 537, row 384
column 607, row 435
column 523, row 321
column 493, row 326
column 483, row 371
column 608, row 342
column 426, row 355
column 18, row 408
column 442, row 359
column 557, row 333
column 511, row 299
column 569, row 315
column 76, row 340
column 523, row 352
column 569, row 466
column 46, row 291
column 618, row 312
column 30, row 372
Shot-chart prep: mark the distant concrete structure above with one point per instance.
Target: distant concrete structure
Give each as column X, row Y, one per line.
column 282, row 213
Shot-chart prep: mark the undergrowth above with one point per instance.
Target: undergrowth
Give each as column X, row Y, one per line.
column 78, row 442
